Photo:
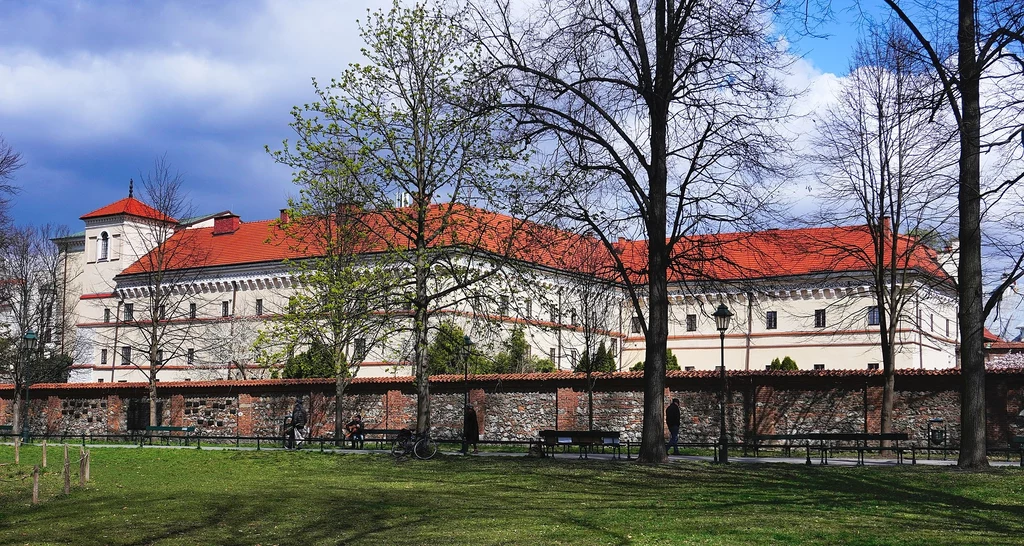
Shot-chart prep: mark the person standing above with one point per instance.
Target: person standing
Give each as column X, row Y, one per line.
column 470, row 429
column 672, row 420
column 299, row 419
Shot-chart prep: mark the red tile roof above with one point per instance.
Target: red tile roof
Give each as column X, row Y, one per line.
column 779, row 253
column 131, row 207
column 728, row 256
column 531, row 377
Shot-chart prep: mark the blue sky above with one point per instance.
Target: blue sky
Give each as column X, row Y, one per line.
column 92, row 92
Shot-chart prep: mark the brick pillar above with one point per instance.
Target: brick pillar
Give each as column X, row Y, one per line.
column 4, row 418
column 400, row 410
column 244, row 415
column 568, row 404
column 114, row 413
column 177, row 416
column 874, row 408
column 478, row 399
column 52, row 414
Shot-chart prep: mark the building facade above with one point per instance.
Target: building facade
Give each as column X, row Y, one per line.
column 230, row 280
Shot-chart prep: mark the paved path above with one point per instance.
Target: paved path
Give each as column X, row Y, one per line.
column 737, row 459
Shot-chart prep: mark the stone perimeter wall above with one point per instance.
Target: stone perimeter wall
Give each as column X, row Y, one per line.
column 517, row 410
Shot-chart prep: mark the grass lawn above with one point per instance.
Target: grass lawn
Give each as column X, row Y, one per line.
column 165, row 496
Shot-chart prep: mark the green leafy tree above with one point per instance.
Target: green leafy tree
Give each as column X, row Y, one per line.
column 514, row 358
column 786, row 364
column 416, row 118
column 449, row 353
column 341, row 309
column 671, row 363
column 317, row 361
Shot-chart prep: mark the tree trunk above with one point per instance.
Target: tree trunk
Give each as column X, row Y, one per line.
column 652, row 439
column 16, row 417
column 972, row 320
column 590, row 398
column 422, row 367
column 340, row 384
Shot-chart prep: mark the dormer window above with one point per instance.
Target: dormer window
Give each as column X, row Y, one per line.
column 103, row 247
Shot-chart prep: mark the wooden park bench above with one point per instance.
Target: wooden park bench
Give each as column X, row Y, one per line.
column 150, row 430
column 587, row 440
column 380, row 435
column 6, row 430
column 823, row 446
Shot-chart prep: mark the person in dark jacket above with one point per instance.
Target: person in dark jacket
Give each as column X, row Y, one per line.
column 356, row 429
column 672, row 420
column 298, row 425
column 470, row 430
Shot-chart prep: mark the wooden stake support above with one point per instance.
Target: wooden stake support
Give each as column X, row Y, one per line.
column 44, row 453
column 81, row 467
column 88, row 464
column 17, row 450
column 67, row 472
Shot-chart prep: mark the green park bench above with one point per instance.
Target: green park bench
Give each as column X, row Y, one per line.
column 6, row 430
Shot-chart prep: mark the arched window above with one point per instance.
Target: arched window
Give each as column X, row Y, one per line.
column 104, row 247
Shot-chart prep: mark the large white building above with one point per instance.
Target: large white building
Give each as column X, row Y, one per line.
column 791, row 297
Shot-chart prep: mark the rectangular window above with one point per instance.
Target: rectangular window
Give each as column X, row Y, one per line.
column 551, row 354
column 613, row 346
column 225, row 309
column 819, row 366
column 771, row 320
column 126, row 355
column 191, row 358
column 163, row 312
column 691, row 323
column 407, row 301
column 931, row 322
column 637, row 325
column 159, row 358
column 689, row 368
column 259, row 308
column 129, row 312
column 575, row 356
column 574, row 320
column 103, row 356
column 873, row 318
column 529, row 309
column 947, row 327
column 106, row 315
column 819, row 318
column 554, row 313
column 360, row 349
column 503, row 306
column 872, row 365
column 192, row 310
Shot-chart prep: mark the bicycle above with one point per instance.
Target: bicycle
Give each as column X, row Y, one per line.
column 410, row 444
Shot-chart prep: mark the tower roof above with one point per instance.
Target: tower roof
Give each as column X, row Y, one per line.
column 131, row 207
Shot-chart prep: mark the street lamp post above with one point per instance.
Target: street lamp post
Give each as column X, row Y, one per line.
column 29, row 343
column 467, row 344
column 722, row 316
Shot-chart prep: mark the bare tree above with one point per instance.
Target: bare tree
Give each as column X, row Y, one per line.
column 411, row 117
column 31, row 265
column 658, row 114
column 970, row 43
column 10, row 161
column 594, row 301
column 160, row 283
column 886, row 161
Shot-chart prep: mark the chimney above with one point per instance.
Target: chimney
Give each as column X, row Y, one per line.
column 284, row 216
column 226, row 224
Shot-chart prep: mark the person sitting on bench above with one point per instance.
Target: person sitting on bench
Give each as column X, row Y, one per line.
column 355, row 429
